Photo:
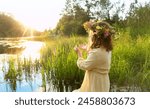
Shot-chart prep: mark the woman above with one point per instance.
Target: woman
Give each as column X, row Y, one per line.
column 98, row 61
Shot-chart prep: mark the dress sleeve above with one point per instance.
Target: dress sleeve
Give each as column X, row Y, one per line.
column 89, row 63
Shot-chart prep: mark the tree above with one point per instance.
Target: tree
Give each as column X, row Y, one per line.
column 139, row 19
column 9, row 27
column 76, row 12
column 72, row 20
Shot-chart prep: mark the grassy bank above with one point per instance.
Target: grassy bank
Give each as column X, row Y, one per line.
column 59, row 63
column 130, row 66
column 130, row 62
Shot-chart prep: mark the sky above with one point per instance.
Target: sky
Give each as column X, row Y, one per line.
column 39, row 14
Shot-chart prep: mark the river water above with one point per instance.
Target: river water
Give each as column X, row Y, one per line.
column 12, row 49
column 31, row 80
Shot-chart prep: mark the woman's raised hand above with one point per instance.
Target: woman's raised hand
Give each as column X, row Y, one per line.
column 78, row 51
column 83, row 47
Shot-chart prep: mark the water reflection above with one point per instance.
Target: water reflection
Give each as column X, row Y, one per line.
column 21, row 72
column 32, row 49
column 24, row 72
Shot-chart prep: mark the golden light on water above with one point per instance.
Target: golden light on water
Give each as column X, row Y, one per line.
column 32, row 49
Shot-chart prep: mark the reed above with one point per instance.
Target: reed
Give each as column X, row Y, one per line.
column 19, row 69
column 130, row 65
column 130, row 62
column 59, row 62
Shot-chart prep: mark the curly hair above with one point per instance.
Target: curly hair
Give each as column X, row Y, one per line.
column 97, row 42
column 102, row 34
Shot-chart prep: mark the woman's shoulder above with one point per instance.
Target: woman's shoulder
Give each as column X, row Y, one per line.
column 93, row 50
column 100, row 50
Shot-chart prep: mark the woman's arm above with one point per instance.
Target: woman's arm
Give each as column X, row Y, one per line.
column 89, row 63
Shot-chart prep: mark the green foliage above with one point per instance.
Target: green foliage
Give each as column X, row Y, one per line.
column 11, row 75
column 139, row 20
column 130, row 63
column 19, row 69
column 77, row 12
column 130, row 66
column 72, row 23
column 60, row 63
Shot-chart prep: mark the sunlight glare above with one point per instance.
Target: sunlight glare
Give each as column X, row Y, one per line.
column 32, row 50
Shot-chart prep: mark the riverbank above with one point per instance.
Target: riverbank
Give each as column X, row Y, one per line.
column 57, row 69
column 130, row 66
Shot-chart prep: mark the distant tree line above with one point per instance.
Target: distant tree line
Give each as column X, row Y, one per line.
column 76, row 12
column 9, row 27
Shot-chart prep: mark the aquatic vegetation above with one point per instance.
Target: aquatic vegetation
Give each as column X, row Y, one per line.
column 130, row 63
column 130, row 68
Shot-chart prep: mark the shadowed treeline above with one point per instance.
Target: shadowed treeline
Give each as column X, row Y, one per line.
column 9, row 27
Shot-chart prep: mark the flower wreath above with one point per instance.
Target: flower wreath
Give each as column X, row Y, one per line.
column 98, row 28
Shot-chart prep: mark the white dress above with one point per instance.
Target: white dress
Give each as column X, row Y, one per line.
column 97, row 67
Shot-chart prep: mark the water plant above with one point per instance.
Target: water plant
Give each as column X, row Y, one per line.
column 130, row 68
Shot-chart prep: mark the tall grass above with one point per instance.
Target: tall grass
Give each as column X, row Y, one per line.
column 130, row 63
column 138, row 20
column 20, row 69
column 59, row 63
